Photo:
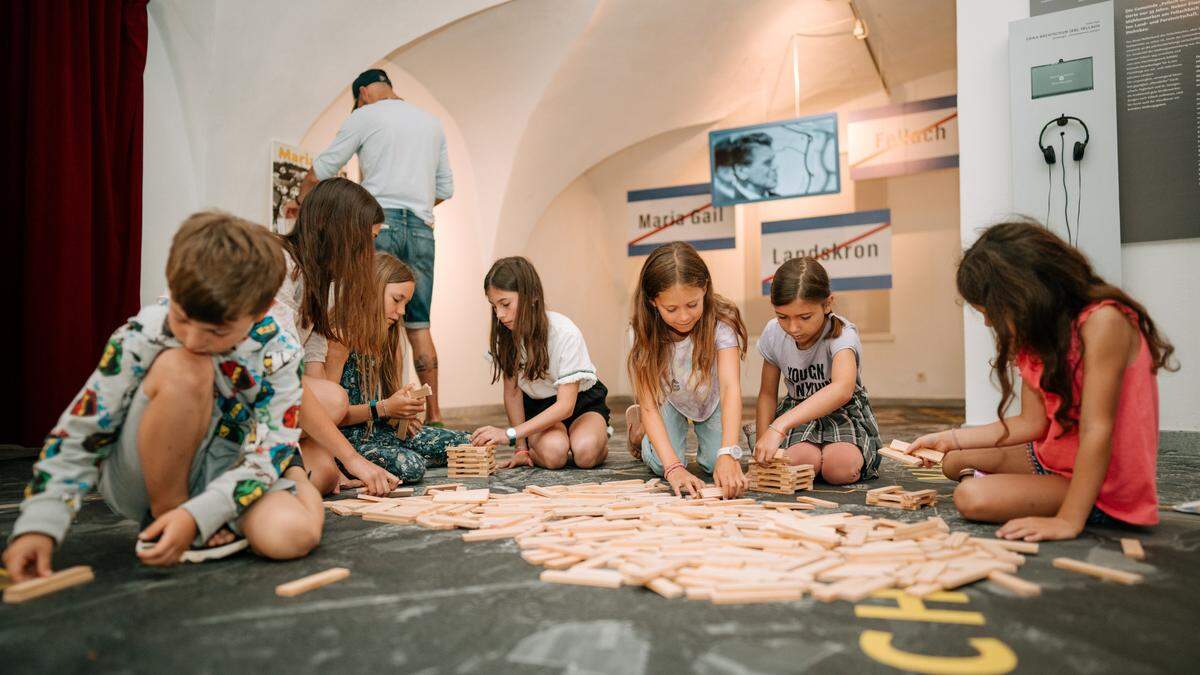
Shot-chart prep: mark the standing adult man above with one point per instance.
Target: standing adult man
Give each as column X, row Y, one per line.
column 402, row 154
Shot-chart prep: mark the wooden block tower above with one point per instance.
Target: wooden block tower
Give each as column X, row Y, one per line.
column 470, row 461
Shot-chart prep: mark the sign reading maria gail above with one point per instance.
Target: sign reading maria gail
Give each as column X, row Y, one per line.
column 903, row 138
column 855, row 248
column 682, row 213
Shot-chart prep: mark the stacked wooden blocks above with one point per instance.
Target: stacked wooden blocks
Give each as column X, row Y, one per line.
column 895, row 497
column 780, row 477
column 470, row 461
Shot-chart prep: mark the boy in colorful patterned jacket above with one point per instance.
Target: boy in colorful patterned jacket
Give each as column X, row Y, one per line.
column 190, row 422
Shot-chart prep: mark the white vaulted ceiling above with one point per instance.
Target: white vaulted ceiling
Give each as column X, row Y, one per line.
column 543, row 90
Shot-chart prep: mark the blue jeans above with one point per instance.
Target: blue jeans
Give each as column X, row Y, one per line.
column 408, row 238
column 708, row 432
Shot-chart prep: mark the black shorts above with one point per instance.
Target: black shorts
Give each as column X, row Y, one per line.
column 588, row 401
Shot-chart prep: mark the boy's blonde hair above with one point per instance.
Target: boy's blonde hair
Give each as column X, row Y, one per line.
column 222, row 268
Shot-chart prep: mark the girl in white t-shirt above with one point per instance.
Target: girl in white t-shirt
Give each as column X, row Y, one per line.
column 825, row 419
column 688, row 343
column 555, row 403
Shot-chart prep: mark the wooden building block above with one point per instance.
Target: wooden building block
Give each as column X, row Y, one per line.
column 312, row 581
column 597, row 578
column 899, row 445
column 1029, row 547
column 1022, row 588
column 665, row 587
column 424, row 391
column 1098, row 571
column 444, row 486
column 36, row 588
column 1132, row 548
column 821, row 503
column 901, row 457
column 461, row 496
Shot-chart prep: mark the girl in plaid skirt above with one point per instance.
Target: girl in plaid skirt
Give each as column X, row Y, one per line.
column 825, row 419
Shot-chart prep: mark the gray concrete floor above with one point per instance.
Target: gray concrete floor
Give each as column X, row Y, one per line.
column 424, row 601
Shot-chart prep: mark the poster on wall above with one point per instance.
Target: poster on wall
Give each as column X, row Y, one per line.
column 904, row 138
column 778, row 160
column 680, row 213
column 1158, row 98
column 855, row 248
column 288, row 166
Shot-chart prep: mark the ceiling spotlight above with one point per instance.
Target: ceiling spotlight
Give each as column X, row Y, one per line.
column 860, row 29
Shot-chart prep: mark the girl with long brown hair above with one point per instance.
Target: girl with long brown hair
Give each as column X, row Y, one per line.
column 688, row 343
column 331, row 291
column 375, row 393
column 1084, row 447
column 554, row 400
column 825, row 419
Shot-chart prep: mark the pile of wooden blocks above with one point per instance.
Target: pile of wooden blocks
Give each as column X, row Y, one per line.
column 780, row 477
column 634, row 533
column 895, row 497
column 471, row 461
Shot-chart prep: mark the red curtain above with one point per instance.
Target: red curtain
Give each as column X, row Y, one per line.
column 72, row 195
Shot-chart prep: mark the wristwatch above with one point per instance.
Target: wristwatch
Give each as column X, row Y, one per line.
column 734, row 451
column 511, row 432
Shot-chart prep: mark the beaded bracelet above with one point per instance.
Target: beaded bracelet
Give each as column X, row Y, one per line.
column 669, row 469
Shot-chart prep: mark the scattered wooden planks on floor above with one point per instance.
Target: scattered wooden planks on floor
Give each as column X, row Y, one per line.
column 36, row 588
column 311, row 582
column 726, row 551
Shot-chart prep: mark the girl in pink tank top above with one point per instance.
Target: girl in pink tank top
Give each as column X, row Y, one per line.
column 1085, row 445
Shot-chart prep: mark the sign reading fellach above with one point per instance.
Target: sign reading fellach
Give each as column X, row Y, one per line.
column 903, row 138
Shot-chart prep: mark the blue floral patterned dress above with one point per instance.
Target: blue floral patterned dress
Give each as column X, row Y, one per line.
column 405, row 458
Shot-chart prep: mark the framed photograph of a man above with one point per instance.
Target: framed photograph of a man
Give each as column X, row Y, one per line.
column 778, row 160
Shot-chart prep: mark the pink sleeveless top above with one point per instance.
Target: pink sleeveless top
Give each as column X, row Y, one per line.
column 1128, row 492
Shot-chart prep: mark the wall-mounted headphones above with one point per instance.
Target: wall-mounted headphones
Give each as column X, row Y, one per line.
column 1080, row 146
column 1051, row 158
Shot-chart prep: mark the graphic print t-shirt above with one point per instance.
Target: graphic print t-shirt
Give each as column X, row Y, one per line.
column 805, row 371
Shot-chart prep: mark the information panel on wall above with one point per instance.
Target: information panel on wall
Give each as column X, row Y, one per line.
column 904, row 138
column 1158, row 97
column 288, row 166
column 854, row 248
column 681, row 213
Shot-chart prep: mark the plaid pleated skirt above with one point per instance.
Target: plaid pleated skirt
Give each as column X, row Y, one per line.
column 852, row 423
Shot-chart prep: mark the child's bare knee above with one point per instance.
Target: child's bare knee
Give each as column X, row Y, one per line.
column 589, row 453
column 333, row 400
column 841, row 472
column 972, row 501
column 805, row 453
column 552, row 451
column 180, row 370
column 287, row 531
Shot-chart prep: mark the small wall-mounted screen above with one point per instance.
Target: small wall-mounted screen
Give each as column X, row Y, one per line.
column 1064, row 77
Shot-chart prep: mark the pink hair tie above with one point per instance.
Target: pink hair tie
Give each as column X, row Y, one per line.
column 669, row 469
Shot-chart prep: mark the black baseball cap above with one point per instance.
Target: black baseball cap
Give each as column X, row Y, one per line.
column 367, row 77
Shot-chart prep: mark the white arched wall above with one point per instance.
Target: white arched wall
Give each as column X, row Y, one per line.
column 243, row 74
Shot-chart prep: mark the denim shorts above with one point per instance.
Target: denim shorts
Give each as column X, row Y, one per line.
column 408, row 238
column 1096, row 517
